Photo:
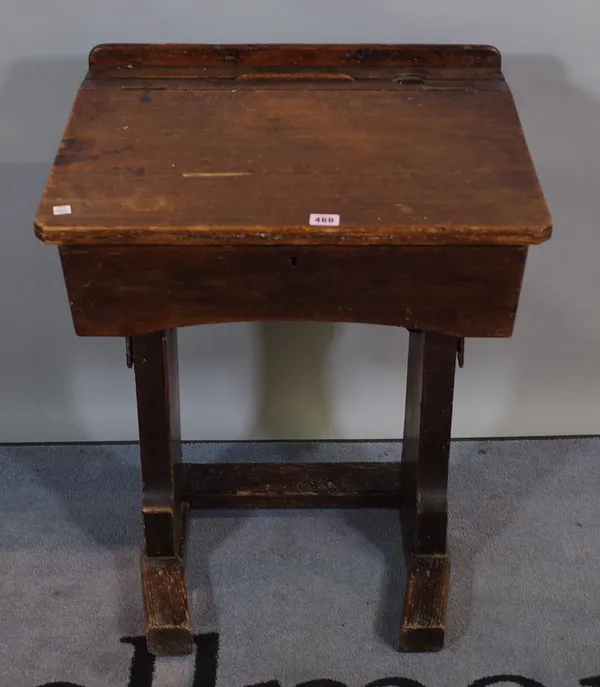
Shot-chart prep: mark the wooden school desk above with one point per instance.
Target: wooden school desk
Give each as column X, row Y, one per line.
column 378, row 184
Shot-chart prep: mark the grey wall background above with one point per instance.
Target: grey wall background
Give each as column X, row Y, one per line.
column 305, row 380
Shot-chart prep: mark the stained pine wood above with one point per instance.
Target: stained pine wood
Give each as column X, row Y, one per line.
column 227, row 62
column 424, row 501
column 247, row 160
column 426, row 598
column 426, row 443
column 168, row 628
column 190, row 173
column 463, row 291
column 184, row 55
column 157, row 390
column 291, row 485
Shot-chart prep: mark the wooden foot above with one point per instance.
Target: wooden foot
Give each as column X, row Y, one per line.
column 423, row 622
column 168, row 628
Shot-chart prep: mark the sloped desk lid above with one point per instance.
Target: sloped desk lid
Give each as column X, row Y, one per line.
column 309, row 144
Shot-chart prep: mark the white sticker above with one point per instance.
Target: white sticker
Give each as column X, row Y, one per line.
column 61, row 209
column 319, row 220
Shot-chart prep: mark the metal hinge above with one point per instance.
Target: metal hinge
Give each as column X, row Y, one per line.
column 460, row 351
column 129, row 351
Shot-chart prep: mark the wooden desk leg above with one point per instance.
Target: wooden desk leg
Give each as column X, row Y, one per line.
column 426, row 447
column 163, row 582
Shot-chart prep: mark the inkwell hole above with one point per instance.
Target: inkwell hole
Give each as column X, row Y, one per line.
column 409, row 79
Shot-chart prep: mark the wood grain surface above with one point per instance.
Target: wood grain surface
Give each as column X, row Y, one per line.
column 128, row 55
column 128, row 290
column 426, row 442
column 187, row 177
column 155, row 362
column 240, row 158
column 425, row 603
column 168, row 626
column 291, row 485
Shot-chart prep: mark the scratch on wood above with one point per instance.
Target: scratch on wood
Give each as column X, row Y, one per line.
column 189, row 175
column 88, row 283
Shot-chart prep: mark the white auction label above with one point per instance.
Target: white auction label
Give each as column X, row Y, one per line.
column 319, row 220
column 61, row 209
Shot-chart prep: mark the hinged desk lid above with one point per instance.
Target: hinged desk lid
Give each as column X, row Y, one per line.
column 293, row 144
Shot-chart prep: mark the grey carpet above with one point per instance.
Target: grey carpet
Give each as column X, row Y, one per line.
column 303, row 596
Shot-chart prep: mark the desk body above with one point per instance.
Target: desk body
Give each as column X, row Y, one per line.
column 376, row 184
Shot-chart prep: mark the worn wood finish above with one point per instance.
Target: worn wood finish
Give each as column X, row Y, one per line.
column 156, row 160
column 424, row 502
column 420, row 65
column 168, row 626
column 426, row 445
column 467, row 291
column 190, row 173
column 291, row 485
column 164, row 513
column 148, row 79
column 156, row 377
column 297, row 55
column 426, row 598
